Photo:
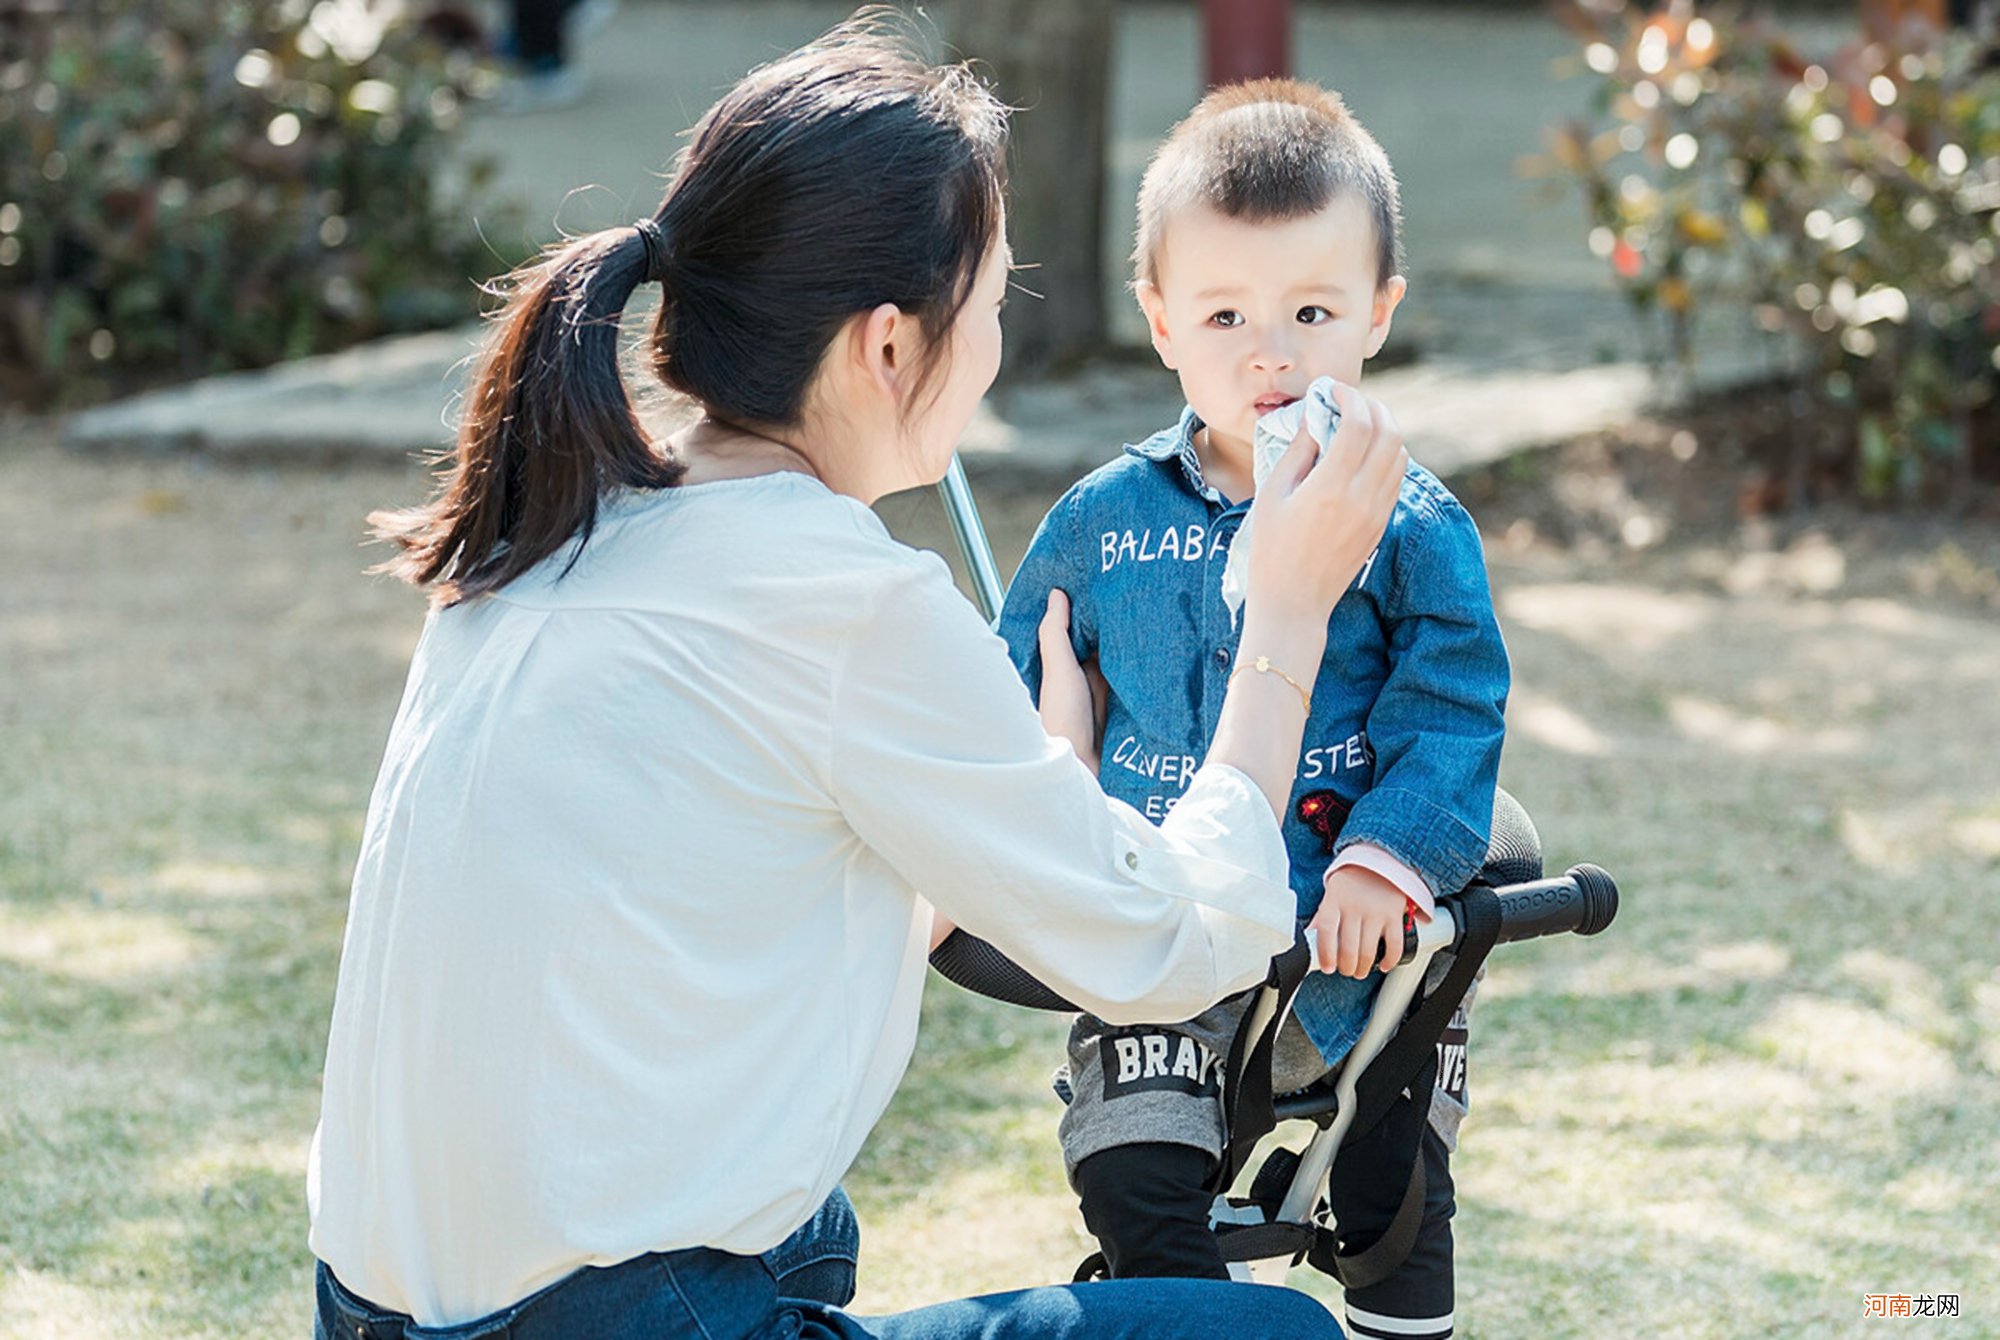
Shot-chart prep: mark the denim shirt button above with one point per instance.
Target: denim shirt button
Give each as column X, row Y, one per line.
column 1222, row 656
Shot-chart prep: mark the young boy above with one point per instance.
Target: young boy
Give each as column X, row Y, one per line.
column 1266, row 257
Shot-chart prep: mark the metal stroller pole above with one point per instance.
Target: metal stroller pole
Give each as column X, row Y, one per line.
column 972, row 542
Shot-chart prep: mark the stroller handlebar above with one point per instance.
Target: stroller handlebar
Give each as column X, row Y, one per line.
column 1583, row 901
column 977, row 966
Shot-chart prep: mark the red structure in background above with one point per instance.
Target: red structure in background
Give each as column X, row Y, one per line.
column 1246, row 39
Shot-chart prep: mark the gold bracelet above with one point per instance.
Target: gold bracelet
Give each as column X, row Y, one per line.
column 1262, row 665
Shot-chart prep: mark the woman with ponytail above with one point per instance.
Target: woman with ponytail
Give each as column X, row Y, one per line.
column 695, row 760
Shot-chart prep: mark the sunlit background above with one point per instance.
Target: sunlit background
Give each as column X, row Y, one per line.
column 1704, row 327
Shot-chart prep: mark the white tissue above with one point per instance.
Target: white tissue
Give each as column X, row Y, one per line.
column 1271, row 438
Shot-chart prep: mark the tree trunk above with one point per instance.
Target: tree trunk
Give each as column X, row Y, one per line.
column 1051, row 59
column 1246, row 39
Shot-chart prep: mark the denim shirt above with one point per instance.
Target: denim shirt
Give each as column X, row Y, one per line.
column 1402, row 747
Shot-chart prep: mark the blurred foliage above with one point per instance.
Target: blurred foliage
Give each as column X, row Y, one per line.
column 188, row 186
column 1850, row 205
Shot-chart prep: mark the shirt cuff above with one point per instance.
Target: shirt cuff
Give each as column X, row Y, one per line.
column 1407, row 881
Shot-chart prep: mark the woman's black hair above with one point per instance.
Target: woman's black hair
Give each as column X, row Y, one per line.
column 848, row 174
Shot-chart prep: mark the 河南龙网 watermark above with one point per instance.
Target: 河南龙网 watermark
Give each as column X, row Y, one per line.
column 1909, row 1305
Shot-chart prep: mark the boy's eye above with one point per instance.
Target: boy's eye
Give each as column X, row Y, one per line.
column 1226, row 318
column 1312, row 316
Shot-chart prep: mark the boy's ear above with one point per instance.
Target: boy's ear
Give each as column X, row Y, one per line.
column 1155, row 308
column 1387, row 297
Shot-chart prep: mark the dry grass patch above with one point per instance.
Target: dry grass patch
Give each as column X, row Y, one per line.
column 1772, row 1086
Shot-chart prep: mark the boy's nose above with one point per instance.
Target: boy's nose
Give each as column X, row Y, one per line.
column 1272, row 355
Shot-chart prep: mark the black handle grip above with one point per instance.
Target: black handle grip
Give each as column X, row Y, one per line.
column 1582, row 902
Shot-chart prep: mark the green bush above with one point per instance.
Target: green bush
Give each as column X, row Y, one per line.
column 1850, row 205
column 188, row 186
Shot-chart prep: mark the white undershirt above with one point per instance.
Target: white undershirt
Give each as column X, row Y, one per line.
column 636, row 945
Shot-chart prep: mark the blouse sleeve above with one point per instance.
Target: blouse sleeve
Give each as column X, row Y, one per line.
column 942, row 768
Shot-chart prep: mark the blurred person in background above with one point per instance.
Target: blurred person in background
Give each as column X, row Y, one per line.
column 541, row 42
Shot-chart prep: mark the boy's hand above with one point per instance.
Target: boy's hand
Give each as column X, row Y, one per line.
column 1359, row 923
column 1073, row 695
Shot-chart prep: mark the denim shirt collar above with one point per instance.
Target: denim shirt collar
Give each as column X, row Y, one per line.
column 1176, row 444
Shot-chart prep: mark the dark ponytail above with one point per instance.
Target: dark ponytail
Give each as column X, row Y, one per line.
column 843, row 176
column 547, row 428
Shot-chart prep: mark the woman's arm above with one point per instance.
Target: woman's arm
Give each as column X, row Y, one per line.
column 1319, row 514
column 941, row 766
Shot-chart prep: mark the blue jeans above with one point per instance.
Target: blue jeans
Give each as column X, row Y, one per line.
column 818, row 1261
column 703, row 1294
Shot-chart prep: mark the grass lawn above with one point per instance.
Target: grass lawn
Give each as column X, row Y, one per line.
column 1771, row 1088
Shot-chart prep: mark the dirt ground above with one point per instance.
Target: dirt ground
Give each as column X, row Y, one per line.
column 1772, row 1087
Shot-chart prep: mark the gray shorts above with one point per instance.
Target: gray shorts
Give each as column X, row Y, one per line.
column 1162, row 1083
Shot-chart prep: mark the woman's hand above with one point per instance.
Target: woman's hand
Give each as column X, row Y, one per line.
column 1072, row 701
column 1317, row 521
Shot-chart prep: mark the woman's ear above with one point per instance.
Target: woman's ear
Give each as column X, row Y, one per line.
column 1155, row 308
column 885, row 348
column 1387, row 297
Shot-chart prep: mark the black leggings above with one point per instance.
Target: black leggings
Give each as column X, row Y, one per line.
column 1147, row 1205
column 1420, row 1291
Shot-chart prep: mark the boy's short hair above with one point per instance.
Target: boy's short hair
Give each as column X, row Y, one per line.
column 1267, row 150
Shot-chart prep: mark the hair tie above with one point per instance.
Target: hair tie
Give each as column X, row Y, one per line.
column 654, row 239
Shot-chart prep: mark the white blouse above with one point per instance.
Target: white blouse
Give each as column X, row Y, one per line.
column 636, row 943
